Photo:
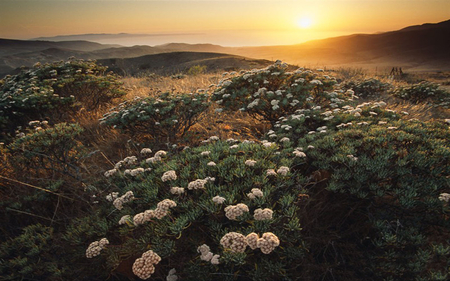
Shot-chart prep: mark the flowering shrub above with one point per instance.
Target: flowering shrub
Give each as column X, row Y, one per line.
column 423, row 91
column 55, row 91
column 272, row 92
column 46, row 151
column 166, row 117
column 214, row 201
column 367, row 88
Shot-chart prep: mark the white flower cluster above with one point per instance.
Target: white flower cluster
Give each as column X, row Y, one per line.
column 205, row 153
column 267, row 243
column 176, row 190
column 124, row 219
column 211, row 164
column 299, row 153
column 197, row 184
column 207, row 255
column 96, row 247
column 271, row 172
column 169, row 175
column 353, row 158
column 112, row 196
column 250, row 163
column 133, row 172
column 144, row 266
column 171, row 276
column 218, row 199
column 162, row 209
column 146, row 151
column 445, row 197
column 285, row 139
column 234, row 211
column 127, row 197
column 238, row 242
column 263, row 214
column 283, row 170
column 157, row 157
column 234, row 241
column 267, row 143
column 255, row 192
column 111, row 172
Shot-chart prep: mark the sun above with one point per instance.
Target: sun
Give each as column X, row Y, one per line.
column 304, row 22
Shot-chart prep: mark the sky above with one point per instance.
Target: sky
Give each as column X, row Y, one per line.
column 223, row 22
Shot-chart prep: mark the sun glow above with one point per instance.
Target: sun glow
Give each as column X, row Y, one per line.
column 304, row 22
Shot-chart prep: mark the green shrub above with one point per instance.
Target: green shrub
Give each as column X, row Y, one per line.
column 197, row 70
column 166, row 117
column 367, row 88
column 423, row 92
column 224, row 169
column 273, row 92
column 48, row 152
column 54, row 91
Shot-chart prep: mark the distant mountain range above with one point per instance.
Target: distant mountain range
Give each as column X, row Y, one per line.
column 415, row 48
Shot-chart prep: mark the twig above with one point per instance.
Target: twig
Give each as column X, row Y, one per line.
column 37, row 187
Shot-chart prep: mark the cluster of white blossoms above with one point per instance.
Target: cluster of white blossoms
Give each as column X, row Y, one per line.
column 271, row 172
column 157, row 157
column 144, row 266
column 205, row 153
column 234, row 241
column 110, row 173
column 176, row 190
column 263, row 214
column 162, row 209
column 298, row 153
column 445, row 197
column 130, row 160
column 211, row 164
column 146, row 151
column 267, row 243
column 250, row 163
column 267, row 143
column 96, row 247
column 127, row 197
column 285, row 139
column 171, row 276
column 207, row 255
column 112, row 196
column 133, row 172
column 124, row 219
column 197, row 184
column 283, row 170
column 218, row 200
column 169, row 175
column 234, row 211
column 255, row 192
column 237, row 242
column 353, row 158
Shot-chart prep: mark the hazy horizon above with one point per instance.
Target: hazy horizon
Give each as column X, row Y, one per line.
column 222, row 22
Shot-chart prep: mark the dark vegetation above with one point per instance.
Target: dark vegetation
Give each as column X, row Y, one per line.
column 358, row 191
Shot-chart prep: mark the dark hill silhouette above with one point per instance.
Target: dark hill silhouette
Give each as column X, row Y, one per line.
column 176, row 62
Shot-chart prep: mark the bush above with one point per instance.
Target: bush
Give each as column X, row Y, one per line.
column 423, row 92
column 368, row 88
column 165, row 117
column 197, row 70
column 237, row 172
column 48, row 152
column 54, row 91
column 273, row 92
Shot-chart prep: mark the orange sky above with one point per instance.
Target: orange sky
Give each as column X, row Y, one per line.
column 225, row 22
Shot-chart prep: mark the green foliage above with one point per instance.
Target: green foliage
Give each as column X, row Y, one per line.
column 273, row 92
column 367, row 88
column 197, row 220
column 423, row 92
column 45, row 151
column 197, row 70
column 165, row 117
column 55, row 91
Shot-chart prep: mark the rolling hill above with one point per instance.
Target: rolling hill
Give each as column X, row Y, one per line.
column 416, row 48
column 176, row 62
